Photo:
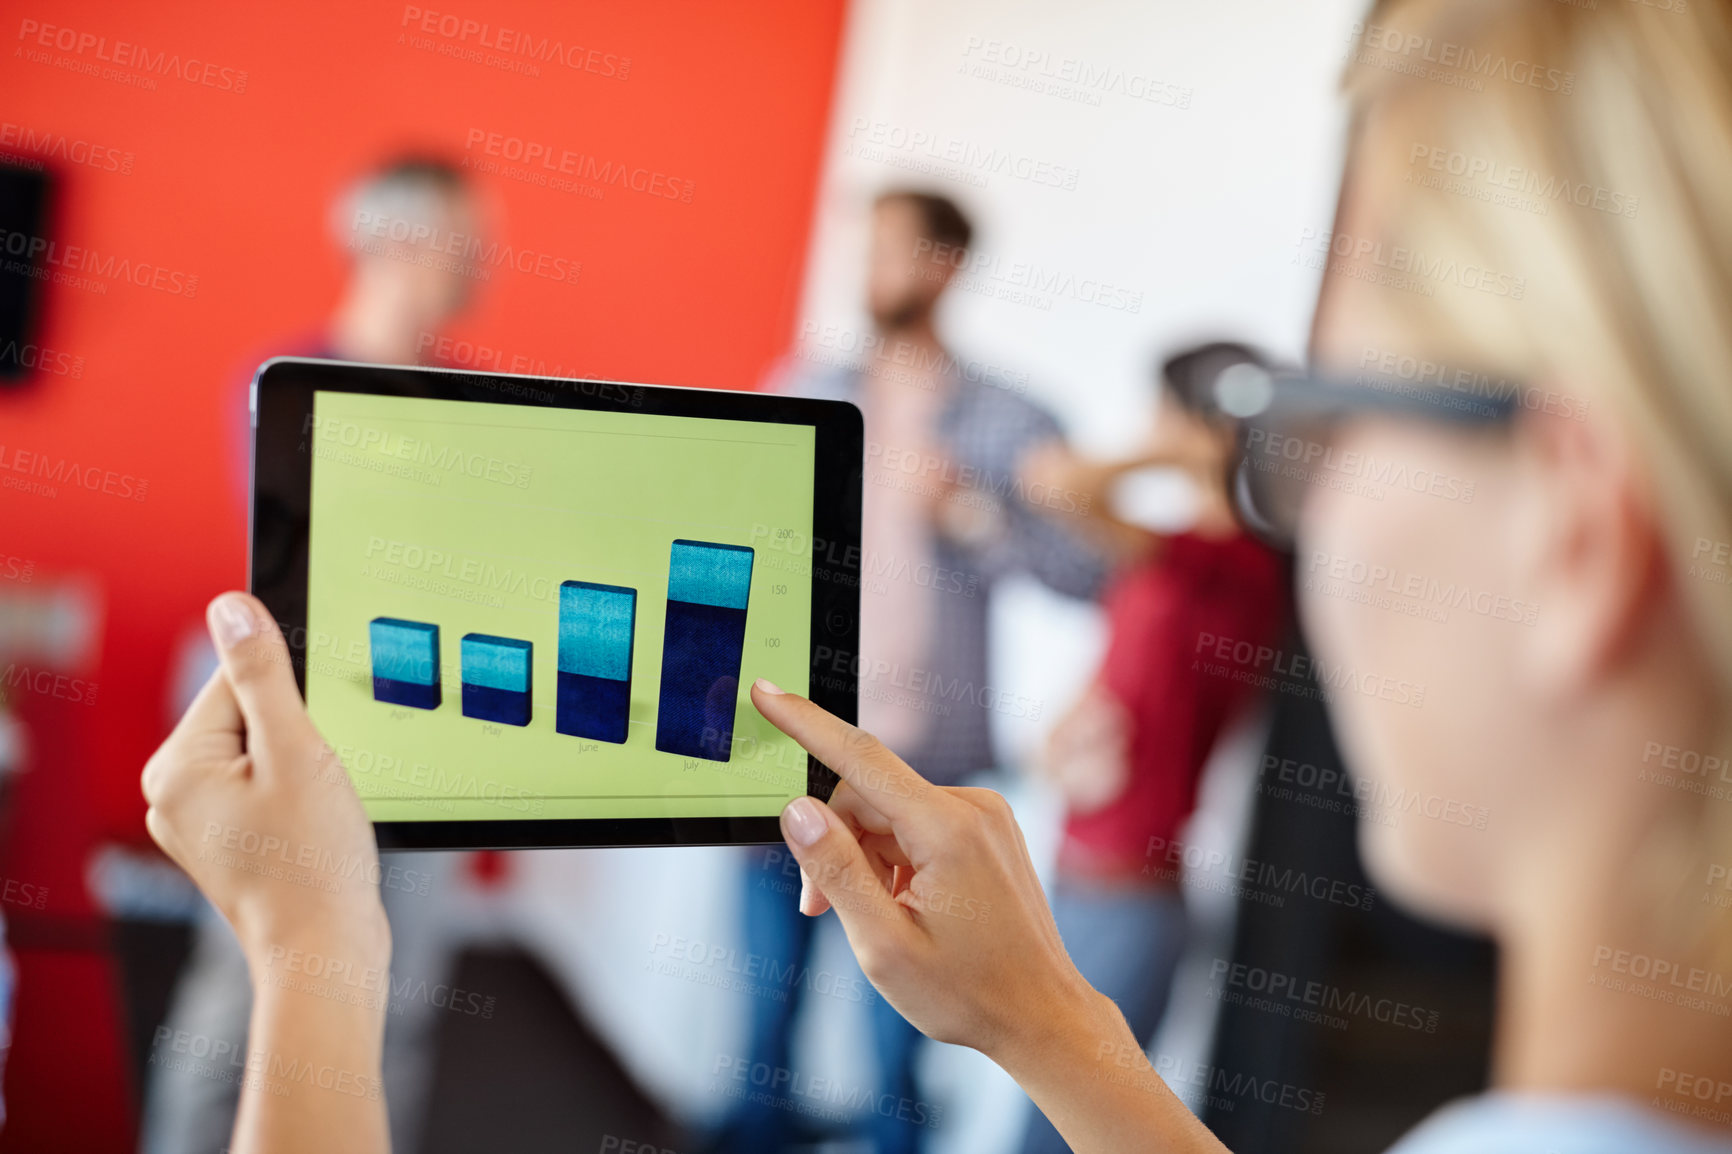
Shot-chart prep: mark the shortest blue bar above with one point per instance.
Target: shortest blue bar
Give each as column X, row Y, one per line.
column 497, row 678
column 405, row 662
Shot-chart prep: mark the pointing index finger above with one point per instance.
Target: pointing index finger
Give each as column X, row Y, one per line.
column 881, row 778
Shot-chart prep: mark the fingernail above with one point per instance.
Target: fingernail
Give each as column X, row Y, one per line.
column 232, row 620
column 803, row 822
column 768, row 686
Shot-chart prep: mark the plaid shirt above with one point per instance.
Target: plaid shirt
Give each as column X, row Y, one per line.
column 984, row 429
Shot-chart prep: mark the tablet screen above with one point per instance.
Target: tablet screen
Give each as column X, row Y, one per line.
column 529, row 613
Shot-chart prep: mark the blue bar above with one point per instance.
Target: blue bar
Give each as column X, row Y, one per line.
column 405, row 662
column 706, row 574
column 709, row 585
column 497, row 678
column 596, row 626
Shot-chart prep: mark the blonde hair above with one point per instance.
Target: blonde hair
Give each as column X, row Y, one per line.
column 1612, row 211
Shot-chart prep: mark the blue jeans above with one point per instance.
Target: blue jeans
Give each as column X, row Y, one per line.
column 776, row 930
column 1126, row 940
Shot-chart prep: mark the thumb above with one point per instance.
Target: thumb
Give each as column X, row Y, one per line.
column 833, row 863
column 256, row 662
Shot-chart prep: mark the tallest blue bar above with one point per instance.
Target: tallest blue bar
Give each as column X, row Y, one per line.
column 705, row 636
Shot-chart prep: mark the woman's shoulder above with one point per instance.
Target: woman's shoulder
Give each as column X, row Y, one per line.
column 1563, row 1124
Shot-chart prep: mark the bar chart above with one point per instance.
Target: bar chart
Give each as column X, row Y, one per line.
column 497, row 678
column 596, row 625
column 703, row 646
column 405, row 662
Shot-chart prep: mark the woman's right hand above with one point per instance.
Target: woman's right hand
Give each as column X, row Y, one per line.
column 933, row 885
column 940, row 901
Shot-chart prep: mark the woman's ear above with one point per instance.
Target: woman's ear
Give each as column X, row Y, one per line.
column 1590, row 539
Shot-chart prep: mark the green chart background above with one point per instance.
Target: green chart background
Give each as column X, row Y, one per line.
column 468, row 516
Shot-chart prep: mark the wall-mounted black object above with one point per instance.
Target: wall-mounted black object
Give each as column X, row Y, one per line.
column 23, row 269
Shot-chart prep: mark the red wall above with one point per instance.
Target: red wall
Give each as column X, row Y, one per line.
column 233, row 187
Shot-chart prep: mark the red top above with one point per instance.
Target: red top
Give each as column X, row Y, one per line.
column 1159, row 616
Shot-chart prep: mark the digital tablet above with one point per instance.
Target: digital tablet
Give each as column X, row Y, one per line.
column 528, row 611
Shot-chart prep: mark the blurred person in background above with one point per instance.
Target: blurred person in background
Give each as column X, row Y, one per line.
column 947, row 511
column 1127, row 757
column 408, row 229
column 398, row 226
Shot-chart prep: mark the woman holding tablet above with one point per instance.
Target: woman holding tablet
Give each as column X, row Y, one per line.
column 1574, row 696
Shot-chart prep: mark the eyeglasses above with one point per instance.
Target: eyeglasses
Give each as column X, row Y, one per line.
column 1286, row 436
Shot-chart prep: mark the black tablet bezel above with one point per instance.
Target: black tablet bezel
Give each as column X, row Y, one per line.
column 279, row 519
